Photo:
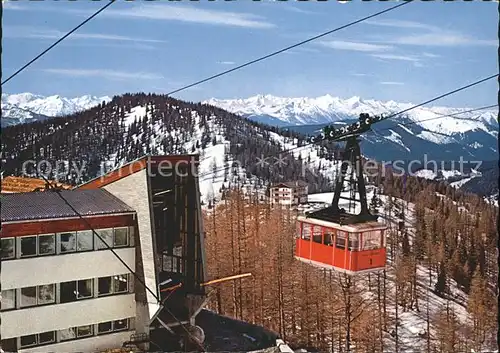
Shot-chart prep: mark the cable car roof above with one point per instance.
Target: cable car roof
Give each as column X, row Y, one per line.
column 353, row 228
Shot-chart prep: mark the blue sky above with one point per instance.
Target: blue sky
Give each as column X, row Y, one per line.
column 410, row 54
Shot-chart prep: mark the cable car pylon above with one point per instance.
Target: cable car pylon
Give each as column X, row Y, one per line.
column 334, row 237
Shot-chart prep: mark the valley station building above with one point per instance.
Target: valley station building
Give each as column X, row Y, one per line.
column 63, row 290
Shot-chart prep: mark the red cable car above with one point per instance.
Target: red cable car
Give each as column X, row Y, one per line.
column 354, row 248
column 340, row 240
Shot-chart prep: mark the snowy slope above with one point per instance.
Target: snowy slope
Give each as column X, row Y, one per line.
column 25, row 107
column 212, row 158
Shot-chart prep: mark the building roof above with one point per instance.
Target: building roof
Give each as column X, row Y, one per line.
column 49, row 205
column 291, row 184
column 12, row 184
column 147, row 161
column 347, row 227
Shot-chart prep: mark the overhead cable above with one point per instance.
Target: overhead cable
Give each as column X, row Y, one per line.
column 289, row 47
column 57, row 42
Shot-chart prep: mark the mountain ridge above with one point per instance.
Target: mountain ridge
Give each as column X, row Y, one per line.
column 328, row 109
column 135, row 124
column 467, row 134
column 27, row 107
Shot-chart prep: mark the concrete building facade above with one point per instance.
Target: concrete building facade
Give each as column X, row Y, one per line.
column 62, row 289
column 289, row 193
column 65, row 291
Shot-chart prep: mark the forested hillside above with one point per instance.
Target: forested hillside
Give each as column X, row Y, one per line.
column 442, row 265
column 437, row 293
column 81, row 146
column 87, row 143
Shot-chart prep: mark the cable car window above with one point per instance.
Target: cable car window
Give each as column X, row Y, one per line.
column 353, row 241
column 328, row 237
column 340, row 243
column 306, row 231
column 317, row 234
column 371, row 240
column 299, row 230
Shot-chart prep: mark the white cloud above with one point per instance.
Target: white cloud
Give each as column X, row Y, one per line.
column 355, row 46
column 430, row 55
column 432, row 35
column 9, row 5
column 401, row 24
column 191, row 14
column 37, row 33
column 172, row 12
column 299, row 50
column 297, row 10
column 226, row 62
column 441, row 40
column 391, row 83
column 396, row 57
column 102, row 73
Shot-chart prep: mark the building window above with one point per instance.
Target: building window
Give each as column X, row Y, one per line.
column 110, row 326
column 8, row 248
column 28, row 297
column 46, row 244
column 121, row 237
column 8, row 299
column 28, row 341
column 74, row 290
column 120, row 325
column 9, row 344
column 46, row 294
column 120, row 284
column 85, row 289
column 104, row 327
column 46, row 337
column 104, row 286
column 114, row 284
column 67, row 334
column 67, row 242
column 85, row 240
column 28, row 246
column 84, row 331
column 37, row 339
column 107, row 236
column 68, row 292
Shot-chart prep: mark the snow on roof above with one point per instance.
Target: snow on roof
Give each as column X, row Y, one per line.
column 291, row 184
column 14, row 184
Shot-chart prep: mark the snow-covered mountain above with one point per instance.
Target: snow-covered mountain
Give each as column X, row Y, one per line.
column 327, row 109
column 26, row 107
column 472, row 135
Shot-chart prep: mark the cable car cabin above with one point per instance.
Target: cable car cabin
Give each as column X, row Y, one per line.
column 353, row 248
